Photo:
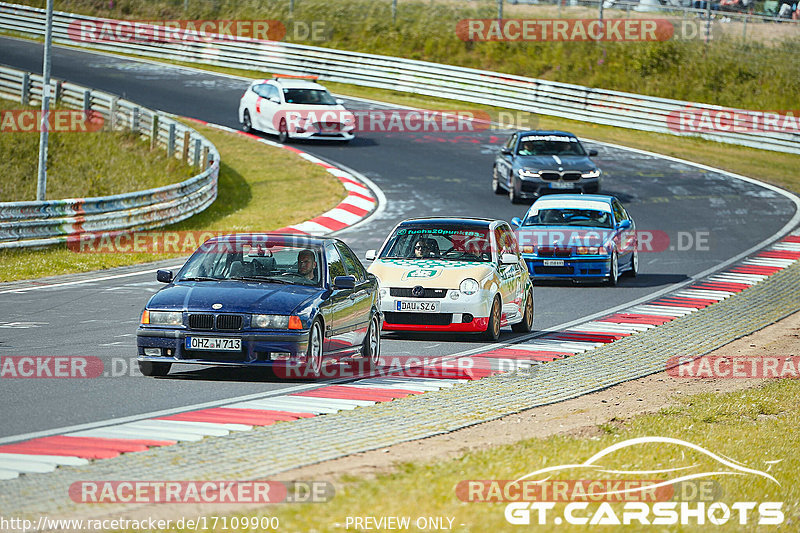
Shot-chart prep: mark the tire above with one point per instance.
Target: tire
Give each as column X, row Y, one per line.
column 247, row 122
column 496, row 187
column 513, row 196
column 371, row 348
column 527, row 318
column 634, row 263
column 613, row 276
column 492, row 332
column 314, row 354
column 150, row 368
column 283, row 132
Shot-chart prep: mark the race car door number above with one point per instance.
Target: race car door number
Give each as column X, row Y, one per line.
column 553, row 262
column 423, row 307
column 213, row 343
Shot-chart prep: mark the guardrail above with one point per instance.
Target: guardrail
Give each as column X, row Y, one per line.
column 573, row 102
column 39, row 223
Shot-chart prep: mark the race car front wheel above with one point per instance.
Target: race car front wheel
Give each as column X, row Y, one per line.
column 492, row 332
column 527, row 317
column 283, row 132
column 247, row 122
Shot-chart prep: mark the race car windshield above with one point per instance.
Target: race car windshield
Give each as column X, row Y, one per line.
column 308, row 96
column 444, row 243
column 550, row 145
column 296, row 265
column 569, row 217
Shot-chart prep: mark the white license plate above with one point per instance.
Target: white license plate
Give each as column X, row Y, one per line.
column 562, row 185
column 553, row 262
column 217, row 344
column 420, row 307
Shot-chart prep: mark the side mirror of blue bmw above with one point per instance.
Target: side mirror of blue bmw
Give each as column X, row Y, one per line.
column 164, row 276
column 344, row 282
column 516, row 222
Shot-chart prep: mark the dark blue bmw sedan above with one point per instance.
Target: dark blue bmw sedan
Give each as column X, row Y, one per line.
column 262, row 299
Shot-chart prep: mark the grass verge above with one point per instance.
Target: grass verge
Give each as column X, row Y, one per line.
column 260, row 189
column 764, row 417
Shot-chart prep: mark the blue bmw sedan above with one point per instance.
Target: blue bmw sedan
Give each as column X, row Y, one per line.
column 578, row 237
column 262, row 299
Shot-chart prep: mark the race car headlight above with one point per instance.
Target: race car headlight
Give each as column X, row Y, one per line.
column 591, row 250
column 270, row 321
column 528, row 249
column 164, row 318
column 469, row 286
column 591, row 174
column 383, row 292
column 527, row 173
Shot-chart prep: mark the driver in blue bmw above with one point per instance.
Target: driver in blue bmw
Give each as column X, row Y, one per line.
column 307, row 264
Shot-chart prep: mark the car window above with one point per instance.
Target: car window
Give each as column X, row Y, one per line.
column 335, row 266
column 308, row 96
column 439, row 241
column 507, row 243
column 272, row 92
column 549, row 145
column 261, row 90
column 569, row 217
column 511, row 141
column 351, row 262
column 618, row 215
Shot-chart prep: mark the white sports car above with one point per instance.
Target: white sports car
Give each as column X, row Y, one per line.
column 295, row 108
column 453, row 275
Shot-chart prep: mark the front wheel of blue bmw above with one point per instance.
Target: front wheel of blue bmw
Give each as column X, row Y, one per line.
column 613, row 271
column 314, row 351
column 371, row 349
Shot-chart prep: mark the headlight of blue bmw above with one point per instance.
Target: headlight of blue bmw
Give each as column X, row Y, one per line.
column 269, row 321
column 591, row 174
column 165, row 318
column 469, row 286
column 527, row 173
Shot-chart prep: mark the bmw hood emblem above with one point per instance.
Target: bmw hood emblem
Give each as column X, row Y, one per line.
column 216, row 306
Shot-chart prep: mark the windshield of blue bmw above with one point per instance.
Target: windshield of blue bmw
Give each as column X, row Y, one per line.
column 294, row 265
column 308, row 96
column 569, row 217
column 550, row 145
column 446, row 243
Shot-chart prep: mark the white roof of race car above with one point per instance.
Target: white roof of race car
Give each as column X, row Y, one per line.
column 546, row 203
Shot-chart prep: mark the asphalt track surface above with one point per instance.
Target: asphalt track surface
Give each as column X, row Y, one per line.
column 708, row 218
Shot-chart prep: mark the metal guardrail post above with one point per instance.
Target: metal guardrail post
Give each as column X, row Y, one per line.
column 185, row 146
column 171, row 141
column 135, row 120
column 205, row 157
column 87, row 101
column 154, row 133
column 25, row 93
column 59, row 94
column 113, row 112
column 196, row 161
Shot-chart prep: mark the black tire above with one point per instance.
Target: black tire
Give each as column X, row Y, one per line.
column 371, row 348
column 247, row 122
column 613, row 276
column 492, row 332
column 150, row 368
column 513, row 195
column 314, row 352
column 283, row 132
column 496, row 187
column 527, row 318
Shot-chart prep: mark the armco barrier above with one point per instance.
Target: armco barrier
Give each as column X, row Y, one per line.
column 38, row 223
column 574, row 102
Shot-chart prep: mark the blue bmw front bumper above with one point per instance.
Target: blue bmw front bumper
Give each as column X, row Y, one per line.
column 574, row 267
